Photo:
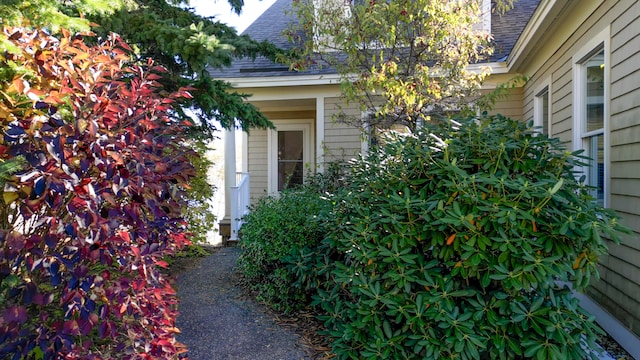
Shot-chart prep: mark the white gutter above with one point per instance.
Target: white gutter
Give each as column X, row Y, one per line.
column 279, row 81
column 327, row 79
column 529, row 32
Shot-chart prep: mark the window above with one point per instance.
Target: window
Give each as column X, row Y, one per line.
column 591, row 113
column 592, row 131
column 541, row 111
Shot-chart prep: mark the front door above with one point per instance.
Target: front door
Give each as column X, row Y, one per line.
column 290, row 155
column 290, row 158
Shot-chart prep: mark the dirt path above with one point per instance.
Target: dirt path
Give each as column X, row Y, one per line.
column 218, row 323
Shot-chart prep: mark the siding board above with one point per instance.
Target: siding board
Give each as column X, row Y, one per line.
column 625, row 152
column 619, row 289
column 342, row 142
column 257, row 162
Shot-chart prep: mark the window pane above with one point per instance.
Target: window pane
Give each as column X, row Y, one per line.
column 595, row 92
column 290, row 145
column 595, row 176
column 290, row 159
column 545, row 113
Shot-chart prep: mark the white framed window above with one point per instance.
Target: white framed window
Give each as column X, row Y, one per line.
column 290, row 153
column 591, row 113
column 542, row 109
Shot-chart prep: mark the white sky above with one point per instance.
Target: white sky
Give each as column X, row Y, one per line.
column 221, row 10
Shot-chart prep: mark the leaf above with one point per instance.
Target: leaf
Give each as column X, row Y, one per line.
column 9, row 196
column 39, row 186
column 15, row 314
column 15, row 131
column 578, row 261
column 556, row 187
column 386, row 326
column 451, row 238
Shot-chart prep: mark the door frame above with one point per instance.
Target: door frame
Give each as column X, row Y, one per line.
column 308, row 155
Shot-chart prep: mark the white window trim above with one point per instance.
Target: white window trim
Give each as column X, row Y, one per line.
column 537, row 106
column 306, row 125
column 601, row 41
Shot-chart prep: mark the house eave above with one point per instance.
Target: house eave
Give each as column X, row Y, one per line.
column 282, row 81
column 328, row 79
column 532, row 31
column 543, row 19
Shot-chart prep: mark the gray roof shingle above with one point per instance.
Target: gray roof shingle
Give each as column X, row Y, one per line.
column 507, row 28
column 276, row 19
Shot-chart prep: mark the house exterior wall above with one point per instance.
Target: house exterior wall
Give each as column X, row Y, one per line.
column 257, row 162
column 618, row 290
column 342, row 142
column 510, row 105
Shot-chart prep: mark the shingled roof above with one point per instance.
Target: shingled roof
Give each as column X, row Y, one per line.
column 507, row 28
column 276, row 19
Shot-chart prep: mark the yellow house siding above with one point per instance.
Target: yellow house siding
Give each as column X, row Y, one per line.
column 619, row 288
column 510, row 105
column 625, row 117
column 342, row 142
column 257, row 161
column 562, row 102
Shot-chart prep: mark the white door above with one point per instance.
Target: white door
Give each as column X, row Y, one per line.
column 290, row 154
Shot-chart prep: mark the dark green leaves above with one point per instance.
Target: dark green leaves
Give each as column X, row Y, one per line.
column 460, row 247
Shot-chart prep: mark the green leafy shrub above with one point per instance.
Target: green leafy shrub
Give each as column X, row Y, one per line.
column 458, row 243
column 276, row 231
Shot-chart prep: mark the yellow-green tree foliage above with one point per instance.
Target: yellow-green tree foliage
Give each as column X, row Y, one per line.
column 406, row 61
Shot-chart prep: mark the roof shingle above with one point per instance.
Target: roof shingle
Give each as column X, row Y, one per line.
column 272, row 24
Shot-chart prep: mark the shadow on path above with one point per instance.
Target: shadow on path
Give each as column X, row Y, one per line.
column 218, row 323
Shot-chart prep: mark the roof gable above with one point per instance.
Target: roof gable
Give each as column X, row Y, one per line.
column 271, row 25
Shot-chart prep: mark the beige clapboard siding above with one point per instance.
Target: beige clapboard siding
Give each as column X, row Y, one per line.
column 510, row 105
column 621, row 280
column 619, row 289
column 633, row 222
column 619, row 304
column 625, row 187
column 562, row 103
column 342, row 142
column 620, row 285
column 257, row 161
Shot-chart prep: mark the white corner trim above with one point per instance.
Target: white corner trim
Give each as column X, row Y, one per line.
column 320, row 134
column 549, row 13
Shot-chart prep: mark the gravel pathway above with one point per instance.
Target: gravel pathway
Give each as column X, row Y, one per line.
column 217, row 323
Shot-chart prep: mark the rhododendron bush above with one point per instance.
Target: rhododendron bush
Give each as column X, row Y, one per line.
column 87, row 220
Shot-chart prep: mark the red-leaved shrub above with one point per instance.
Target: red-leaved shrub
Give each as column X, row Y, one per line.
column 85, row 224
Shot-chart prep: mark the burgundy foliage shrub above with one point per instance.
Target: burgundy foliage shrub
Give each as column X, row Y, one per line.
column 84, row 226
